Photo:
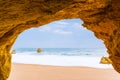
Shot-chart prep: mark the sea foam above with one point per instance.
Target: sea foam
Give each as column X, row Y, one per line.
column 57, row 60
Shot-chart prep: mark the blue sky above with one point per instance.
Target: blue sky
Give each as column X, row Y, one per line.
column 59, row 34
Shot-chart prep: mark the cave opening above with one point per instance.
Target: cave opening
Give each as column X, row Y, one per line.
column 87, row 51
column 57, row 39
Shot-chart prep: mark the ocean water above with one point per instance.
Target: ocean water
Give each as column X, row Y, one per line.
column 89, row 57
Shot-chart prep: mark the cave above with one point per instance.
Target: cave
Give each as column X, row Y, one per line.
column 100, row 16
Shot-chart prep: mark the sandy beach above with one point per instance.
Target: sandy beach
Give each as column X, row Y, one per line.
column 43, row 72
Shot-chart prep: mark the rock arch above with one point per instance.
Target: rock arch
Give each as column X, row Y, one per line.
column 100, row 16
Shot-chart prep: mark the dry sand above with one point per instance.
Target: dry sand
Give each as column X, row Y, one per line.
column 41, row 72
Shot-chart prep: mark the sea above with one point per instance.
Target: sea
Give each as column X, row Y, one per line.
column 89, row 57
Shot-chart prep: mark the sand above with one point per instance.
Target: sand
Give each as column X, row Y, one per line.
column 42, row 72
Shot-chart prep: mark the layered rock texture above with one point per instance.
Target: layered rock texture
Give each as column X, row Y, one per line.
column 100, row 16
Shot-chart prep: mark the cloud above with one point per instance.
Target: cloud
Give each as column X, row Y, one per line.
column 54, row 30
column 58, row 31
column 44, row 29
column 62, row 23
column 79, row 26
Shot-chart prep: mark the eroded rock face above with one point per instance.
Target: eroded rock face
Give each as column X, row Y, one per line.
column 100, row 16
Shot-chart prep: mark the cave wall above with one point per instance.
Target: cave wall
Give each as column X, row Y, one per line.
column 100, row 16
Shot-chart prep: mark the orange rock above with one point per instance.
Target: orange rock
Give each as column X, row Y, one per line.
column 39, row 50
column 13, row 52
column 105, row 60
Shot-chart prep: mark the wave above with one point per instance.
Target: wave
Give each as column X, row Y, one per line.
column 58, row 60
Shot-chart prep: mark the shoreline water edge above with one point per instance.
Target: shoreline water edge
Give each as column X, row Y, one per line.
column 61, row 57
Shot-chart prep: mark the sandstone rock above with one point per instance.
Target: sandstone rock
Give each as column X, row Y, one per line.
column 105, row 60
column 13, row 52
column 100, row 16
column 39, row 50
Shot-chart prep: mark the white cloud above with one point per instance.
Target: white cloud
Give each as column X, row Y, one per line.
column 58, row 31
column 61, row 22
column 78, row 25
column 54, row 30
column 44, row 29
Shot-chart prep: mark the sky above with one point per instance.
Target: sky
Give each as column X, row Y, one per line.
column 59, row 34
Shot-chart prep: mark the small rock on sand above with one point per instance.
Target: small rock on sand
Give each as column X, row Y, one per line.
column 13, row 52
